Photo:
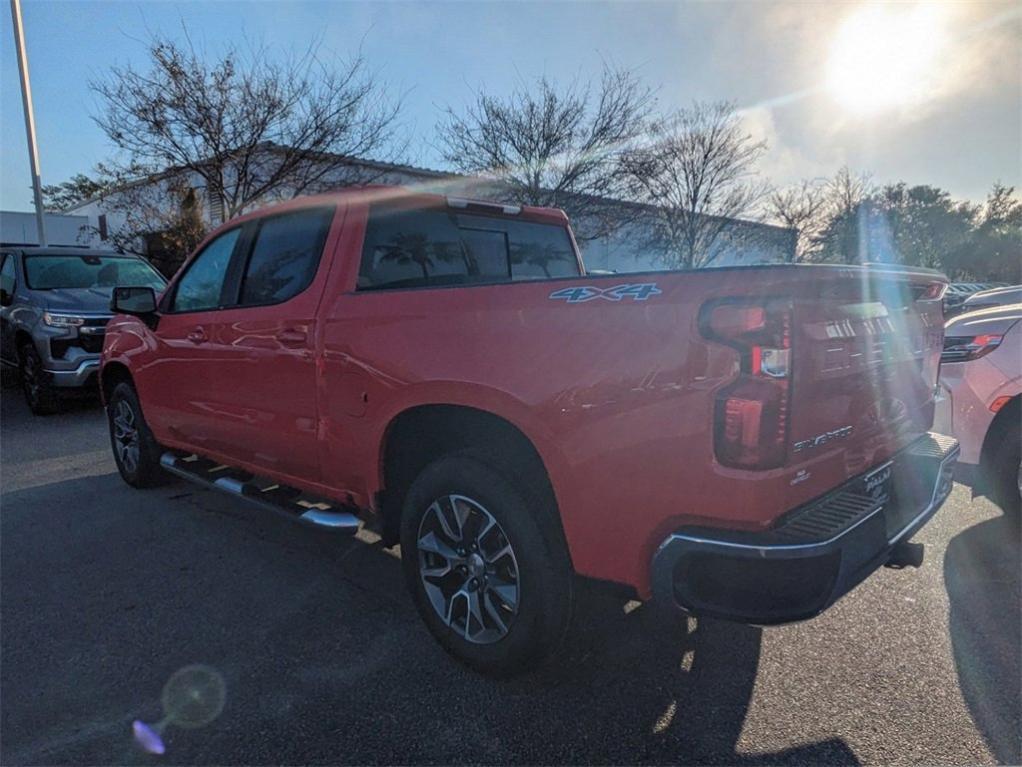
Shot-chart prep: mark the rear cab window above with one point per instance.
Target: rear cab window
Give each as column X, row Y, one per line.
column 406, row 248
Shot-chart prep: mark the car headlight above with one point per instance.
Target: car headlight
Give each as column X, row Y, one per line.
column 56, row 320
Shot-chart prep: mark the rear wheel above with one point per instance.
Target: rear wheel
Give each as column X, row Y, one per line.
column 1005, row 459
column 136, row 451
column 40, row 393
column 492, row 587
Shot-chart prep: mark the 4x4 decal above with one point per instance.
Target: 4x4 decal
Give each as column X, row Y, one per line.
column 639, row 291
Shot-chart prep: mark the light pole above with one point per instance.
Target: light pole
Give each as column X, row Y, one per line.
column 26, row 100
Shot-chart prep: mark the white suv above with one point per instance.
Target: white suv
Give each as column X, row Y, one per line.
column 979, row 402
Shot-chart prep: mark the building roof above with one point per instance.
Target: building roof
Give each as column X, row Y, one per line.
column 413, row 170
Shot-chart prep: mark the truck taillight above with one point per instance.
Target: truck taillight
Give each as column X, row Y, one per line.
column 751, row 413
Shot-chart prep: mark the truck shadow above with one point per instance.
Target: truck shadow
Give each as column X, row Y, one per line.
column 679, row 689
column 324, row 657
column 982, row 575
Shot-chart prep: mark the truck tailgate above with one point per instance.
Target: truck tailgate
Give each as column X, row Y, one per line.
column 866, row 351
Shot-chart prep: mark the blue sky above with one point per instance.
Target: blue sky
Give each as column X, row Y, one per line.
column 954, row 120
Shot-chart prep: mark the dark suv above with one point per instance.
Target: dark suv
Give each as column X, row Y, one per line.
column 54, row 306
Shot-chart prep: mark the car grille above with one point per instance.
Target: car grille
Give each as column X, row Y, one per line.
column 90, row 335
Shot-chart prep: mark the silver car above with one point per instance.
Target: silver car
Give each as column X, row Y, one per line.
column 985, row 299
column 54, row 306
column 979, row 396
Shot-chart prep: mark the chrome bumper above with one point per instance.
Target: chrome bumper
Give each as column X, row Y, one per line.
column 816, row 554
column 76, row 376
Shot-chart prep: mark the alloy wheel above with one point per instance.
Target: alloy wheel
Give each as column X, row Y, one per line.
column 30, row 377
column 126, row 437
column 468, row 569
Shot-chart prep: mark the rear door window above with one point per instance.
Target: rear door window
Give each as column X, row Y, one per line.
column 416, row 248
column 285, row 256
column 407, row 248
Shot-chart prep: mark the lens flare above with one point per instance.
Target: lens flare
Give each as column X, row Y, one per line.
column 147, row 738
column 193, row 697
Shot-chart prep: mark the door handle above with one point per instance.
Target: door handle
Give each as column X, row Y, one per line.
column 198, row 336
column 292, row 337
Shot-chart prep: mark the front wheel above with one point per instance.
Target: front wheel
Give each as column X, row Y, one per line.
column 493, row 587
column 40, row 393
column 136, row 451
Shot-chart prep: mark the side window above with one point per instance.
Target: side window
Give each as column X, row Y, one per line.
column 7, row 273
column 285, row 256
column 200, row 287
column 412, row 248
column 405, row 248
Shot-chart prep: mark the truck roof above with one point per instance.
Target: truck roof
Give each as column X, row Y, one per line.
column 407, row 195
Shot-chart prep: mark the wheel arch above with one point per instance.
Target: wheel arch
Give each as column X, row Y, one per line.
column 111, row 374
column 421, row 433
column 22, row 337
column 1010, row 412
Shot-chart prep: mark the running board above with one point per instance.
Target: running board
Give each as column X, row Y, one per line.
column 288, row 501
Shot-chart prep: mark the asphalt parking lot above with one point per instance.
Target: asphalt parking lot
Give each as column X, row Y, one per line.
column 107, row 591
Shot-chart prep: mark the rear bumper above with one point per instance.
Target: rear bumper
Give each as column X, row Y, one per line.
column 817, row 553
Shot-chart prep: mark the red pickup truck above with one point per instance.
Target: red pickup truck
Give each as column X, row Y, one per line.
column 747, row 443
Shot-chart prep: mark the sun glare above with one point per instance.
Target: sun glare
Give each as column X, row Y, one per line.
column 886, row 57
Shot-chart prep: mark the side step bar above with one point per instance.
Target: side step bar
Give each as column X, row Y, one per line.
column 264, row 493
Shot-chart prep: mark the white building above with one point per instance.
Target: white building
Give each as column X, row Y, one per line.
column 62, row 230
column 627, row 250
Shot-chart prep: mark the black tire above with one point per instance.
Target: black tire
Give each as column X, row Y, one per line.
column 1004, row 457
column 137, row 454
column 40, row 393
column 541, row 567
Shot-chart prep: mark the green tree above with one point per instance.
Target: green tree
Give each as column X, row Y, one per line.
column 914, row 225
column 77, row 189
column 994, row 248
column 918, row 225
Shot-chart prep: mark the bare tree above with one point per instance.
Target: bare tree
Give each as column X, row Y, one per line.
column 847, row 190
column 554, row 146
column 248, row 127
column 697, row 172
column 803, row 209
column 841, row 238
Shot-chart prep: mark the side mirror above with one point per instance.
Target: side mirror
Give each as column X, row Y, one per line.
column 140, row 302
column 6, row 299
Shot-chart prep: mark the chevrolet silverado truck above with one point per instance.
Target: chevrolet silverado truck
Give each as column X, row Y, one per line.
column 54, row 306
column 747, row 443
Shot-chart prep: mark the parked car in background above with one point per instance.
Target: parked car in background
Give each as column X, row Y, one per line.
column 54, row 307
column 748, row 443
column 958, row 292
column 985, row 299
column 979, row 402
